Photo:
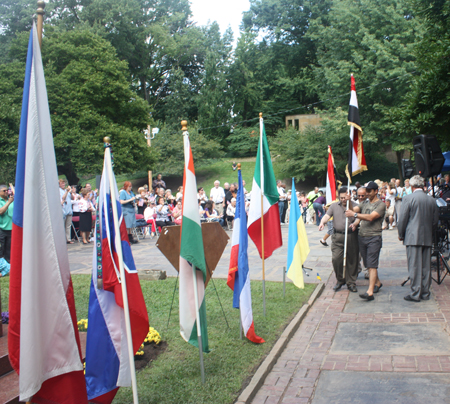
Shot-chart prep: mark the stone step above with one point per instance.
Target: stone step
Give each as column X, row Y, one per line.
column 5, row 366
column 9, row 380
column 9, row 388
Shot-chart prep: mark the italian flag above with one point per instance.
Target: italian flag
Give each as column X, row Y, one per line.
column 264, row 184
column 192, row 258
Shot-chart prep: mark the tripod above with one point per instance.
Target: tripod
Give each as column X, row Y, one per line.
column 437, row 259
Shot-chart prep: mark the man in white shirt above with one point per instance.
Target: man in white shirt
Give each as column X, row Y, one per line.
column 217, row 195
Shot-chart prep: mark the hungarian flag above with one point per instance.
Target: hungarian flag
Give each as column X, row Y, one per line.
column 108, row 363
column 192, row 258
column 264, row 184
column 356, row 159
column 238, row 273
column 298, row 246
column 331, row 178
column 43, row 341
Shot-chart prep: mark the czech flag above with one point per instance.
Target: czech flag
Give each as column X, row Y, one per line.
column 107, row 358
column 238, row 273
column 43, row 340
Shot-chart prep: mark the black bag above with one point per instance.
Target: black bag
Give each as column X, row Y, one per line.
column 141, row 223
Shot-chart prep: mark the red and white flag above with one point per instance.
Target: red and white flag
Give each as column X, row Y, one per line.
column 264, row 184
column 43, row 341
column 356, row 159
column 331, row 178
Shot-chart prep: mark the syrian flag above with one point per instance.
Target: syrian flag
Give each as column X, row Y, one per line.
column 238, row 274
column 331, row 178
column 108, row 363
column 192, row 255
column 43, row 341
column 264, row 184
column 356, row 159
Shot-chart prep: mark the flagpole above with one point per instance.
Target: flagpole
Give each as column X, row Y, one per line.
column 199, row 331
column 118, row 245
column 348, row 205
column 39, row 26
column 40, row 20
column 262, row 208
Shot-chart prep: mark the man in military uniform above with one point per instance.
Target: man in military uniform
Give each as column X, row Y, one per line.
column 337, row 211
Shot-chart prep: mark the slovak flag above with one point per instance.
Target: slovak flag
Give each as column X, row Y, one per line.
column 43, row 341
column 107, row 358
column 238, row 273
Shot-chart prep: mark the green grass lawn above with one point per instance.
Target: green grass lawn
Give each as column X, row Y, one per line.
column 175, row 376
column 220, row 169
column 223, row 171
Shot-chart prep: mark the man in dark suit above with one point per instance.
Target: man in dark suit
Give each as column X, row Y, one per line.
column 418, row 219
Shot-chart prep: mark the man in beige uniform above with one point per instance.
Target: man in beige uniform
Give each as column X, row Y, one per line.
column 337, row 211
column 370, row 213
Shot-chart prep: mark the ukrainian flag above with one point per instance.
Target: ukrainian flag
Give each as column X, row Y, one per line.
column 298, row 246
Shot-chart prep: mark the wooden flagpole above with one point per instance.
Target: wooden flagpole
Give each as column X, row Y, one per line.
column 118, row 245
column 261, row 173
column 40, row 20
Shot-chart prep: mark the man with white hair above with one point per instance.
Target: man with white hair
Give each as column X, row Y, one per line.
column 217, row 195
column 419, row 217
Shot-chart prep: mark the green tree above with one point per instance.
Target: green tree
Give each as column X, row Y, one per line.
column 374, row 39
column 169, row 144
column 89, row 98
column 427, row 105
column 11, row 84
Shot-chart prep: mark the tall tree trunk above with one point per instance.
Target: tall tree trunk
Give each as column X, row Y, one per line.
column 68, row 171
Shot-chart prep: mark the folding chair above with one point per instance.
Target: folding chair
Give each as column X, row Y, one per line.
column 76, row 219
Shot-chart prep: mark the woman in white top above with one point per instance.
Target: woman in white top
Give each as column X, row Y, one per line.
column 231, row 211
column 201, row 196
column 149, row 216
column 86, row 209
column 179, row 194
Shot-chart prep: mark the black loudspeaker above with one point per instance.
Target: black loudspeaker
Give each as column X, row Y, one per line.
column 428, row 155
column 407, row 168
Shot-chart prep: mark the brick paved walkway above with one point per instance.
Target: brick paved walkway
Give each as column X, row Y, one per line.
column 346, row 347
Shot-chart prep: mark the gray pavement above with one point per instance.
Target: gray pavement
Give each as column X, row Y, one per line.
column 348, row 350
column 147, row 256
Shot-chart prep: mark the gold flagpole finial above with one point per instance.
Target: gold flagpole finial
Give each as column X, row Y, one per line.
column 260, row 114
column 184, row 126
column 239, row 166
column 40, row 20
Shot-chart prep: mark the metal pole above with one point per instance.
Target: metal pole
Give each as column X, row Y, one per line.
column 199, row 332
column 149, row 144
column 284, row 281
column 261, row 171
column 118, row 245
column 346, row 218
column 240, row 322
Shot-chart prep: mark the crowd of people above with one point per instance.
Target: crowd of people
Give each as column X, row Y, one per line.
column 360, row 217
column 373, row 208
